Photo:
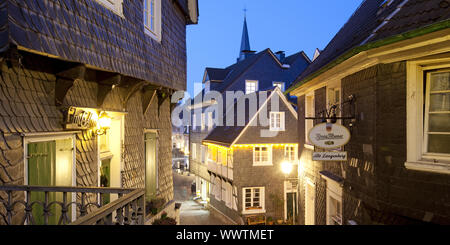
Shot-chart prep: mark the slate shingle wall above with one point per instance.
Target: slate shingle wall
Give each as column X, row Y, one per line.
column 378, row 189
column 27, row 105
column 85, row 31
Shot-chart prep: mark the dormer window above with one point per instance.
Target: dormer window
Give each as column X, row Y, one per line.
column 152, row 18
column 113, row 5
column 280, row 85
column 251, row 86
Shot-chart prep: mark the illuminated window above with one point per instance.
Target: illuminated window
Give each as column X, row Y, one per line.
column 262, row 155
column 290, row 153
column 277, row 121
column 253, row 200
column 152, row 18
column 251, row 87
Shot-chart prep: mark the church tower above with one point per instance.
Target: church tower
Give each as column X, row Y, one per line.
column 245, row 43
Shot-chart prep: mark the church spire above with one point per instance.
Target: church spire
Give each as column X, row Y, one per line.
column 245, row 42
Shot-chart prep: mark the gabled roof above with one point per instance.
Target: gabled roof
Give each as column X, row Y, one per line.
column 291, row 59
column 373, row 22
column 228, row 135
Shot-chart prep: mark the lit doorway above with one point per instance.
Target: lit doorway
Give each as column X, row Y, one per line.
column 110, row 157
column 151, row 165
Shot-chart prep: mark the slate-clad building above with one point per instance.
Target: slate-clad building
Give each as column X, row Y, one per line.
column 253, row 71
column 245, row 161
column 67, row 68
column 387, row 71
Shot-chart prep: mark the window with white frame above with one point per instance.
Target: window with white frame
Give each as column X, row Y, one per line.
column 437, row 113
column 114, row 5
column 309, row 112
column 251, row 86
column 262, row 155
column 277, row 121
column 428, row 116
column 334, row 211
column 253, row 200
column 334, row 201
column 152, row 18
column 290, row 153
column 279, row 85
column 334, row 98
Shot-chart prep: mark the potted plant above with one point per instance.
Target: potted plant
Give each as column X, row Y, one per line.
column 269, row 220
column 164, row 220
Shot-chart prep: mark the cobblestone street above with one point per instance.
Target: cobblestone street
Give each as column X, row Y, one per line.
column 192, row 212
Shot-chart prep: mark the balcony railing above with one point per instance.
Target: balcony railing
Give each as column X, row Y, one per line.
column 127, row 209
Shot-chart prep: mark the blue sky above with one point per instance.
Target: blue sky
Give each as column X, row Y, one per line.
column 288, row 25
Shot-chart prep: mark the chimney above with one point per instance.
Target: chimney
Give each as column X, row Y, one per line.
column 245, row 54
column 280, row 55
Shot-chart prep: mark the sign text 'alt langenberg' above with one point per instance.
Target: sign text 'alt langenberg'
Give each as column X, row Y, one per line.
column 330, row 156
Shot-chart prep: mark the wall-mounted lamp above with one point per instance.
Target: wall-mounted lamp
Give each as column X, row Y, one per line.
column 104, row 123
column 286, row 167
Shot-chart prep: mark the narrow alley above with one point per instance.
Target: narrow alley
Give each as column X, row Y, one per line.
column 192, row 212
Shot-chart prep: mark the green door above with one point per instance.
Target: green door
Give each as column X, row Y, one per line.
column 49, row 164
column 291, row 205
column 151, row 176
column 41, row 168
column 105, row 179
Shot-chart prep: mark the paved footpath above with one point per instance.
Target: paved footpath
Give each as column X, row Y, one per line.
column 192, row 212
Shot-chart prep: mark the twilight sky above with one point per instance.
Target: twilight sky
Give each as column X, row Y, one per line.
column 288, row 25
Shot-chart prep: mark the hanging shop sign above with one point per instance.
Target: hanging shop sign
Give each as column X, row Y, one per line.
column 330, row 156
column 78, row 118
column 329, row 135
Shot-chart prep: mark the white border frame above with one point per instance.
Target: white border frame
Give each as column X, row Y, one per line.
column 416, row 158
column 262, row 199
column 156, row 35
column 269, row 152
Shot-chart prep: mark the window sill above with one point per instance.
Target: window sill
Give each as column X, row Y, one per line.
column 262, row 164
column 152, row 35
column 439, row 167
column 254, row 211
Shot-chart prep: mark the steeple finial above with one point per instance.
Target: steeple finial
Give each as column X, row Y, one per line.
column 245, row 41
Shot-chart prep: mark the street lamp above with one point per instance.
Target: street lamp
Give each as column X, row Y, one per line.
column 286, row 168
column 104, row 123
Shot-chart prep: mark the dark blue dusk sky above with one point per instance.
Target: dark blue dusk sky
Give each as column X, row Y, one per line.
column 288, row 25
